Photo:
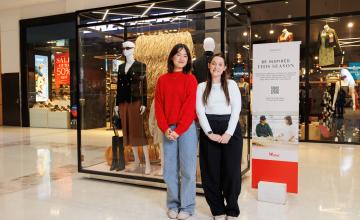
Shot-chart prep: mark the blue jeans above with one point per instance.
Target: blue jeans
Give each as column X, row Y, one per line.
column 180, row 170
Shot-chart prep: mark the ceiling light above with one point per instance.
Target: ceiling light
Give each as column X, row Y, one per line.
column 286, row 2
column 350, row 24
column 245, row 34
column 147, row 10
column 256, row 35
column 231, row 7
column 193, row 6
column 316, row 57
column 271, row 31
column 105, row 15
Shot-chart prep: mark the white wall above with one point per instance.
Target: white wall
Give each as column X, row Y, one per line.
column 10, row 17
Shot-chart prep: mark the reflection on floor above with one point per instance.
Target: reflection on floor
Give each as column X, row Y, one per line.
column 38, row 181
column 131, row 169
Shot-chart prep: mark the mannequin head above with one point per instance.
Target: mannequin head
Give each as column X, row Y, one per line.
column 284, row 31
column 128, row 49
column 209, row 44
column 326, row 27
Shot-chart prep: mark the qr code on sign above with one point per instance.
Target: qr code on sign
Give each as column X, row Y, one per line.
column 275, row 90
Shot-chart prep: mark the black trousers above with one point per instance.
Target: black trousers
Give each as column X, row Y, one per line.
column 220, row 166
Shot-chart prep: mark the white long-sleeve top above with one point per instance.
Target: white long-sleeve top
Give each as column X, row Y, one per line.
column 217, row 105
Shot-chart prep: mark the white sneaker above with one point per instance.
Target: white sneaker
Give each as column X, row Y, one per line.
column 231, row 218
column 183, row 215
column 220, row 217
column 172, row 214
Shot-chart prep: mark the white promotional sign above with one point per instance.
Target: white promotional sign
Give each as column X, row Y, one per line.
column 275, row 107
column 276, row 78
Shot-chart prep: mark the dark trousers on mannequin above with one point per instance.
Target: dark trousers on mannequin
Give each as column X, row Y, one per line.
column 220, row 166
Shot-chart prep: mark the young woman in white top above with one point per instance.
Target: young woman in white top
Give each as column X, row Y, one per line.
column 218, row 106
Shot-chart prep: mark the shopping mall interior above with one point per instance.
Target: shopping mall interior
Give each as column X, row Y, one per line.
column 60, row 68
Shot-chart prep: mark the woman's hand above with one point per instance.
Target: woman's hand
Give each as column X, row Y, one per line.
column 171, row 135
column 168, row 134
column 225, row 138
column 174, row 135
column 214, row 137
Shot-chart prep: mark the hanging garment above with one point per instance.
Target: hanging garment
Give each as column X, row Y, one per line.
column 200, row 66
column 327, row 112
column 286, row 37
column 328, row 43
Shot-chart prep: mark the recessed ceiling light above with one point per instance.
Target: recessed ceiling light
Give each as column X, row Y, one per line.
column 271, row 31
column 245, row 34
column 256, row 35
column 350, row 24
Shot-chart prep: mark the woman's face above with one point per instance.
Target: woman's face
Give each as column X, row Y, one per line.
column 217, row 66
column 287, row 122
column 180, row 59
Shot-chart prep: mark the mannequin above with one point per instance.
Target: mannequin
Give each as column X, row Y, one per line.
column 347, row 81
column 244, row 91
column 239, row 68
column 200, row 65
column 286, row 36
column 131, row 101
column 328, row 42
column 157, row 135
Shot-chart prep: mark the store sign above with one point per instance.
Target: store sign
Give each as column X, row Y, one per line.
column 41, row 78
column 275, row 118
column 355, row 70
column 62, row 69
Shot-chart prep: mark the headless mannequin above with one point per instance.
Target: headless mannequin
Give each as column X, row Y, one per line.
column 129, row 54
column 326, row 27
column 285, row 32
column 285, row 36
column 348, row 81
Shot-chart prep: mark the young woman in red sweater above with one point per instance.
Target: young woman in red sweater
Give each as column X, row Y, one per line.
column 175, row 99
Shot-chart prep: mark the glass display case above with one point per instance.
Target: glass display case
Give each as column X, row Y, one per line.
column 154, row 27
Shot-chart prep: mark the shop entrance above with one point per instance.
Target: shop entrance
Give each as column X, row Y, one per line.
column 11, row 99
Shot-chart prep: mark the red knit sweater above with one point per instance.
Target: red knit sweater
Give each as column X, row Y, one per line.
column 175, row 100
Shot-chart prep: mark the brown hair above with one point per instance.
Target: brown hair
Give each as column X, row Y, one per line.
column 224, row 85
column 288, row 119
column 173, row 52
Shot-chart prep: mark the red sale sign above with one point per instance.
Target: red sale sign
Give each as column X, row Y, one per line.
column 62, row 69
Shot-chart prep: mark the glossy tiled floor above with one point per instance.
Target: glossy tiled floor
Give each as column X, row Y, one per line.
column 38, row 180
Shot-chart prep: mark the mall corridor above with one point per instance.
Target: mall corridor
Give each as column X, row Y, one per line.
column 39, row 181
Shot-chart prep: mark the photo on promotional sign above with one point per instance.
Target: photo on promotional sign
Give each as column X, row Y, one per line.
column 41, row 78
column 275, row 129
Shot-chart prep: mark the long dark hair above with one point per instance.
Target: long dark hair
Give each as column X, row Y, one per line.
column 224, row 85
column 174, row 51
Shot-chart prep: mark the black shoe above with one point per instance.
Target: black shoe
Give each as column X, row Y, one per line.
column 114, row 165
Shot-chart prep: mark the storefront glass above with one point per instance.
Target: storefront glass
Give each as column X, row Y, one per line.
column 154, row 28
column 334, row 77
column 49, row 67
